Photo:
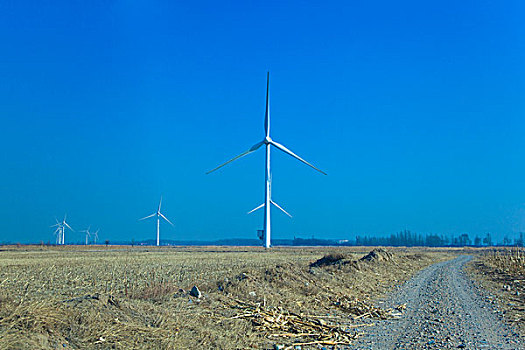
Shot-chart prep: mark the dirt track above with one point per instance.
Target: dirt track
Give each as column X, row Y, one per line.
column 445, row 310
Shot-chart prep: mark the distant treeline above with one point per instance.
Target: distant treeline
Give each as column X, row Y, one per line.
column 411, row 239
column 401, row 239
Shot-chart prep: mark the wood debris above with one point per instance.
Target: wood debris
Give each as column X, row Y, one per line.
column 362, row 309
column 298, row 329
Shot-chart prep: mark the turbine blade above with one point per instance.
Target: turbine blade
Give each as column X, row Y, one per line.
column 254, row 209
column 267, row 113
column 287, row 151
column 160, row 203
column 253, row 149
column 165, row 218
column 277, row 205
column 66, row 224
column 147, row 217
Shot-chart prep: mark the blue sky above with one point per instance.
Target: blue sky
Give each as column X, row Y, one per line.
column 414, row 109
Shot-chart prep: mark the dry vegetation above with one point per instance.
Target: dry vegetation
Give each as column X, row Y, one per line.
column 502, row 271
column 103, row 298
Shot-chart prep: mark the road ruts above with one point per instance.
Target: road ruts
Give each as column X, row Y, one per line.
column 445, row 310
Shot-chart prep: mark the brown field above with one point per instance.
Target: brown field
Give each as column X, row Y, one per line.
column 100, row 297
column 502, row 272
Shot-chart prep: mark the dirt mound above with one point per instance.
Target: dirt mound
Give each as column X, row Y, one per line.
column 338, row 259
column 330, row 259
column 378, row 255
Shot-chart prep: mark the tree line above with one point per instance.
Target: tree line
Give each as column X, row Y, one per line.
column 407, row 238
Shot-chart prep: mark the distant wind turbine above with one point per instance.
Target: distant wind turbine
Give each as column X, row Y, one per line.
column 267, row 190
column 88, row 234
column 95, row 236
column 60, row 232
column 159, row 215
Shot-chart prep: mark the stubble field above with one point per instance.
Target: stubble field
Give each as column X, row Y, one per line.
column 120, row 297
column 502, row 272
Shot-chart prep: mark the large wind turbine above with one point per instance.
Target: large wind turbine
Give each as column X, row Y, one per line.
column 268, row 142
column 61, row 230
column 159, row 215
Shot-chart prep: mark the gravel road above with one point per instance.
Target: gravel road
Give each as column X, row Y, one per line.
column 445, row 310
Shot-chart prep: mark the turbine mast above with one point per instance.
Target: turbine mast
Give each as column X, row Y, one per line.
column 267, row 209
column 267, row 199
column 158, row 229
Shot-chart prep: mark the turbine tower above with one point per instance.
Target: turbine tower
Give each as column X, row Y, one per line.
column 159, row 215
column 60, row 232
column 268, row 142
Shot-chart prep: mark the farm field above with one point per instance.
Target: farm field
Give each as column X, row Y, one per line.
column 101, row 297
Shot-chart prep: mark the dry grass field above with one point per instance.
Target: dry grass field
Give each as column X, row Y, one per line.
column 502, row 271
column 121, row 298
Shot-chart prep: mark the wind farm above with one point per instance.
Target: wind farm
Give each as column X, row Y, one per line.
column 270, row 294
column 262, row 175
column 305, row 293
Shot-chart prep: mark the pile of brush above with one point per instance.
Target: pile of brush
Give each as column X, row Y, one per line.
column 296, row 329
column 362, row 309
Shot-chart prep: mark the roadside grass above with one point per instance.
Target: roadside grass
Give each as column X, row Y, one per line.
column 507, row 260
column 502, row 271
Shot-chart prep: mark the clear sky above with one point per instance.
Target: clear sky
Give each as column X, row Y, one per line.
column 415, row 109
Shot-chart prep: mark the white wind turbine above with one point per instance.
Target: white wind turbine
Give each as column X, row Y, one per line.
column 267, row 141
column 60, row 232
column 159, row 215
column 95, row 236
column 88, row 234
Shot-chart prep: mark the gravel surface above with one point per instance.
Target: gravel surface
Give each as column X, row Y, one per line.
column 445, row 310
